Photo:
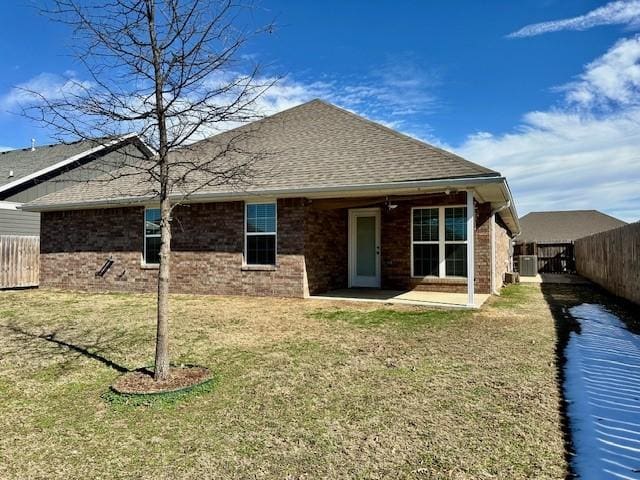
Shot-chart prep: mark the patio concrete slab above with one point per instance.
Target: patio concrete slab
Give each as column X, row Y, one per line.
column 411, row 297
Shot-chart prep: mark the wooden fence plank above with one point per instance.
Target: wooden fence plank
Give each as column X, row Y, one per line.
column 612, row 260
column 552, row 257
column 19, row 261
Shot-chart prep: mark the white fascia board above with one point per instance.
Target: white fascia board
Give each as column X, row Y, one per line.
column 149, row 150
column 65, row 162
column 509, row 200
column 359, row 190
column 4, row 205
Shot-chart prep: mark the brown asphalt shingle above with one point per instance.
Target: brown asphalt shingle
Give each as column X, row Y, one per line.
column 312, row 145
column 564, row 226
column 24, row 161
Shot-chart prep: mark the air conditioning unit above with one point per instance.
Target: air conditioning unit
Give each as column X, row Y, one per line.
column 528, row 265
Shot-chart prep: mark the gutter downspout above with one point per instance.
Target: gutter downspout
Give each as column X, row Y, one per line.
column 494, row 290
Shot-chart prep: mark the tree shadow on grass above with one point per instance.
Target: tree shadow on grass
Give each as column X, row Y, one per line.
column 27, row 344
column 561, row 298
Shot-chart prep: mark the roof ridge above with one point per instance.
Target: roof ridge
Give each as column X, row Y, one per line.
column 422, row 144
column 47, row 145
column 258, row 121
column 591, row 210
column 98, row 140
column 402, row 135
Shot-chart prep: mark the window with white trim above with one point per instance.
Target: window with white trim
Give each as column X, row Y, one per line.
column 439, row 242
column 425, row 242
column 151, row 253
column 260, row 233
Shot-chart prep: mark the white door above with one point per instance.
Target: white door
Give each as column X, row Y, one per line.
column 364, row 247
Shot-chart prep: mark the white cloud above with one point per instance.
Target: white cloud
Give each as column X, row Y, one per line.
column 390, row 94
column 4, row 148
column 612, row 78
column 50, row 86
column 621, row 12
column 397, row 88
column 579, row 155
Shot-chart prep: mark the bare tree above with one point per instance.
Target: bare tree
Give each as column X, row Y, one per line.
column 174, row 71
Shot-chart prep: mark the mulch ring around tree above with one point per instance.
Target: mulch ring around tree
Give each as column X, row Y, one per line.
column 141, row 381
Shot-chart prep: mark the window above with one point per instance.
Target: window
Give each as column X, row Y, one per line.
column 260, row 238
column 455, row 240
column 426, row 256
column 439, row 242
column 151, row 236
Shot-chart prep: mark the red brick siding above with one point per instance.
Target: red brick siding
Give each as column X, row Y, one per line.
column 325, row 247
column 207, row 251
column 503, row 249
column 483, row 248
column 396, row 247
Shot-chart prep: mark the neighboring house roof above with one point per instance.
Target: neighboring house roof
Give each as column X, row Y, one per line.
column 20, row 166
column 314, row 147
column 564, row 226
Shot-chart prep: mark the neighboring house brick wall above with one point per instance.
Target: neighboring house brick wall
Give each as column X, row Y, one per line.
column 207, row 248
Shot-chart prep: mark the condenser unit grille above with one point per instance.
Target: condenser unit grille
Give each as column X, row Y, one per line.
column 528, row 265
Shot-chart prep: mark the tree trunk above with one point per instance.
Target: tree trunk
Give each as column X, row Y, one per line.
column 162, row 336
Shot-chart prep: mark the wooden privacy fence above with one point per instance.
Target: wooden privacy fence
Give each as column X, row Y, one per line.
column 19, row 261
column 612, row 260
column 557, row 257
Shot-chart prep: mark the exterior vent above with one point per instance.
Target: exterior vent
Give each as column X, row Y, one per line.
column 528, row 265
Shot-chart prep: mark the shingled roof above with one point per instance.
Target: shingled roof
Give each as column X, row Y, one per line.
column 564, row 226
column 313, row 145
column 22, row 168
column 25, row 161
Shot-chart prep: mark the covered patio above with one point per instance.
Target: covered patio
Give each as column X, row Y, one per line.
column 405, row 249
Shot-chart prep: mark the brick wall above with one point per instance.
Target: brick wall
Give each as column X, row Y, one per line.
column 503, row 256
column 207, row 248
column 396, row 247
column 326, row 249
column 483, row 248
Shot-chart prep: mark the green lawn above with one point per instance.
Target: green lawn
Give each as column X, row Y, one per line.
column 304, row 389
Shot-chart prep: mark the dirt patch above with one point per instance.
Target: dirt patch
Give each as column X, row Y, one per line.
column 141, row 382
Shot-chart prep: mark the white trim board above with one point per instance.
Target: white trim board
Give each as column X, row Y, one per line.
column 314, row 192
column 247, row 234
column 4, row 205
column 441, row 242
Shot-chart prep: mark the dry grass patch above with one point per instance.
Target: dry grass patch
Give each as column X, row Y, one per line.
column 304, row 389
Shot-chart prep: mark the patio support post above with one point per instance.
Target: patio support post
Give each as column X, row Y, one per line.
column 470, row 250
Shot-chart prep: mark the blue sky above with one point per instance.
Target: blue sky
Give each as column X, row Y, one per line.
column 553, row 106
